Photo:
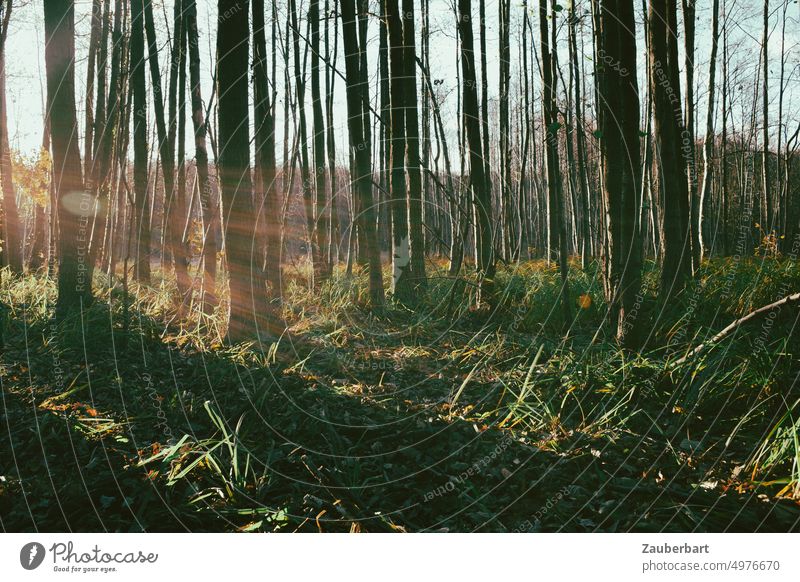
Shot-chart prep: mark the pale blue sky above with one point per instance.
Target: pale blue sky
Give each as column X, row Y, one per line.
column 25, row 55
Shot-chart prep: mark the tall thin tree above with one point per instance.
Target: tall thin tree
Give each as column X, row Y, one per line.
column 478, row 182
column 246, row 287
column 669, row 160
column 59, row 27
column 619, row 140
column 359, row 148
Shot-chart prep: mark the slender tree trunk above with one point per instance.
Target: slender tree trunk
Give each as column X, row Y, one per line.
column 415, row 201
column 401, row 248
column 669, row 163
column 246, row 287
column 89, row 119
column 487, row 175
column 12, row 243
column 140, row 155
column 302, row 143
column 724, row 137
column 11, row 252
column 59, row 24
column 265, row 158
column 583, row 181
column 107, row 122
column 322, row 268
column 360, row 150
column 479, row 185
column 522, row 244
column 505, row 144
column 708, row 141
column 767, row 213
column 208, row 203
column 619, row 97
column 557, row 224
column 183, row 212
column 175, row 207
column 687, row 147
column 334, row 243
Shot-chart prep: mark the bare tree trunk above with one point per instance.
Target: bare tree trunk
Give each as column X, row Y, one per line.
column 59, row 25
column 505, row 145
column 12, row 243
column 265, row 158
column 360, row 150
column 487, row 171
column 334, row 243
column 140, row 155
column 669, row 166
column 583, row 183
column 457, row 209
column 302, row 142
column 689, row 131
column 767, row 214
column 11, row 252
column 415, row 208
column 619, row 97
column 558, row 231
column 724, row 153
column 208, row 204
column 89, row 120
column 246, row 286
column 175, row 207
column 708, row 141
column 183, row 211
column 322, row 268
column 108, row 125
column 401, row 248
column 118, row 156
column 479, row 185
column 523, row 243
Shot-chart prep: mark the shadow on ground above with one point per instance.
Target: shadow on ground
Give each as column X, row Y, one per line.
column 105, row 429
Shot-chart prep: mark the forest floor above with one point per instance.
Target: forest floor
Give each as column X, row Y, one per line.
column 440, row 418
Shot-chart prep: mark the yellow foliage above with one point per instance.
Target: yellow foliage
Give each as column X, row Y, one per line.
column 32, row 175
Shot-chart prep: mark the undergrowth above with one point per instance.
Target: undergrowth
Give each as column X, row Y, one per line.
column 434, row 416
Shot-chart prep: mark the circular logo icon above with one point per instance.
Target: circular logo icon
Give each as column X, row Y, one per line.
column 31, row 555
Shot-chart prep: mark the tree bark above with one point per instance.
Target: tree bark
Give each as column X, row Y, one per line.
column 415, row 201
column 619, row 140
column 360, row 150
column 557, row 224
column 767, row 213
column 688, row 137
column 140, row 154
column 89, row 119
column 401, row 248
column 265, row 158
column 246, row 288
column 175, row 207
column 505, row 144
column 479, row 185
column 334, row 244
column 322, row 269
column 208, row 204
column 668, row 155
column 302, row 142
column 708, row 141
column 12, row 243
column 59, row 24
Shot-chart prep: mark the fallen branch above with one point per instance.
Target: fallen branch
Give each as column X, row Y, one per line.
column 757, row 314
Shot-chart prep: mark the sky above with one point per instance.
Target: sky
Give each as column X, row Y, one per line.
column 26, row 80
